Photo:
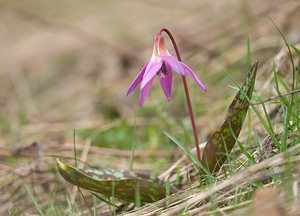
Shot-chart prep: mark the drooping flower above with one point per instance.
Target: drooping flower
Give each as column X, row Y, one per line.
column 161, row 63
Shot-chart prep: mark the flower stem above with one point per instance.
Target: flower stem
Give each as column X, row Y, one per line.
column 187, row 96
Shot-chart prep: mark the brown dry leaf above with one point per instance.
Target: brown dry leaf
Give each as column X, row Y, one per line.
column 266, row 202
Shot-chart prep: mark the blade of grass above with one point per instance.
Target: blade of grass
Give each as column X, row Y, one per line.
column 283, row 102
column 138, row 195
column 229, row 157
column 133, row 147
column 103, row 200
column 291, row 56
column 245, row 152
column 113, row 197
column 168, row 188
column 109, row 206
column 95, row 211
column 95, row 203
column 70, row 206
column 249, row 129
column 176, row 183
column 296, row 50
column 189, row 182
column 74, row 144
column 265, row 111
column 283, row 83
column 259, row 142
column 248, row 55
column 57, row 212
column 289, row 110
column 12, row 211
column 85, row 201
column 81, row 194
column 190, row 156
column 249, row 110
column 34, row 201
column 297, row 102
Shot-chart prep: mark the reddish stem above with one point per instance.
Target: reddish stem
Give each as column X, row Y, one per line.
column 186, row 91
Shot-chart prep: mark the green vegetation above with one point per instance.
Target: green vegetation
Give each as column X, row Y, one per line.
column 65, row 70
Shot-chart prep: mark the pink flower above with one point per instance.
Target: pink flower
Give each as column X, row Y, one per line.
column 161, row 63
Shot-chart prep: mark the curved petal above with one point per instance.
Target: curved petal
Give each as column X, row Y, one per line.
column 151, row 71
column 175, row 64
column 144, row 92
column 166, row 81
column 136, row 80
column 194, row 76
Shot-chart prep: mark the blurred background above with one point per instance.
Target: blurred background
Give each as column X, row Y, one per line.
column 66, row 65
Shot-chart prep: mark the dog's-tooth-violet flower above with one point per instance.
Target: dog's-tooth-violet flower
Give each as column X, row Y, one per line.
column 161, row 63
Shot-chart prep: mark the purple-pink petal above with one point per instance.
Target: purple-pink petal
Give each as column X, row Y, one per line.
column 166, row 81
column 194, row 76
column 144, row 92
column 151, row 71
column 137, row 80
column 175, row 64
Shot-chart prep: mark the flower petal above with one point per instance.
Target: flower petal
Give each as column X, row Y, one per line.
column 144, row 92
column 194, row 76
column 151, row 70
column 175, row 64
column 166, row 81
column 136, row 80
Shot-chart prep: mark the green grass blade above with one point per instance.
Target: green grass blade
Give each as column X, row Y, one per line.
column 289, row 110
column 249, row 129
column 265, row 111
column 71, row 208
column 34, row 201
column 104, row 200
column 242, row 148
column 190, row 156
column 74, row 145
column 248, row 55
column 296, row 50
column 291, row 56
column 189, row 182
column 85, row 201
column 138, row 195
column 133, row 147
column 249, row 111
column 81, row 194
